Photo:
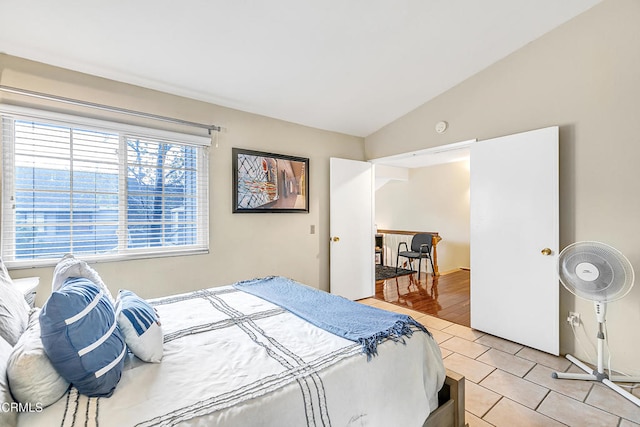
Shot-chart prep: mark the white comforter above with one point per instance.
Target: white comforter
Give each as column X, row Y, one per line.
column 232, row 359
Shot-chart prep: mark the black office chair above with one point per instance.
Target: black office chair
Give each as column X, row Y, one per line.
column 421, row 244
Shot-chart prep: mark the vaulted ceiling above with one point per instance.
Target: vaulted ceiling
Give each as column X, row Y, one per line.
column 350, row 66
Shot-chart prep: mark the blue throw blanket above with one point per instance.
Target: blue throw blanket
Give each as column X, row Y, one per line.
column 366, row 325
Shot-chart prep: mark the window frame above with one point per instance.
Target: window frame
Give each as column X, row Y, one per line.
column 124, row 130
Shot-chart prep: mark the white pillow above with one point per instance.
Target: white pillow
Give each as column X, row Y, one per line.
column 140, row 325
column 8, row 416
column 32, row 377
column 14, row 310
column 70, row 266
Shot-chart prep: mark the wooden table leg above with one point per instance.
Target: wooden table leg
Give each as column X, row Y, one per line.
column 434, row 244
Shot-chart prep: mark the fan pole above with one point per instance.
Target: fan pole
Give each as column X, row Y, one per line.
column 599, row 374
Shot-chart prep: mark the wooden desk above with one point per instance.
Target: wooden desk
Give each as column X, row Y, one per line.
column 434, row 241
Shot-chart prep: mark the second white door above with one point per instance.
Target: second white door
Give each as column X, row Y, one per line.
column 514, row 238
column 351, row 226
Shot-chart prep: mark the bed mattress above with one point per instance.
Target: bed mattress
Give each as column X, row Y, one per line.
column 233, row 359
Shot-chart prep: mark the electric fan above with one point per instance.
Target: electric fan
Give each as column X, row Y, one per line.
column 599, row 273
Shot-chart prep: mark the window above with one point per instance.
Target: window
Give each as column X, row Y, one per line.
column 100, row 190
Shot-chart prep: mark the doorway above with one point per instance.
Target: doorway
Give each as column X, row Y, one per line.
column 425, row 190
column 514, row 226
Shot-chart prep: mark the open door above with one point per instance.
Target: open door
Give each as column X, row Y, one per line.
column 514, row 238
column 351, row 212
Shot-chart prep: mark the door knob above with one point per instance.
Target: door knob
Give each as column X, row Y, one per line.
column 546, row 251
column 336, row 239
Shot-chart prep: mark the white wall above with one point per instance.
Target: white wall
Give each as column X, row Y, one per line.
column 434, row 198
column 243, row 246
column 583, row 77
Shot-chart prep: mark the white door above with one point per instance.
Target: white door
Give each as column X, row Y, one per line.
column 514, row 238
column 351, row 226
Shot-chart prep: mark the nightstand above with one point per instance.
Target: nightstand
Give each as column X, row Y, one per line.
column 28, row 286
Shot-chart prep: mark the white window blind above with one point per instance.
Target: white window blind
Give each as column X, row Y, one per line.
column 99, row 192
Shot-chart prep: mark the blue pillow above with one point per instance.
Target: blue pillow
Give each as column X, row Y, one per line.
column 140, row 326
column 81, row 337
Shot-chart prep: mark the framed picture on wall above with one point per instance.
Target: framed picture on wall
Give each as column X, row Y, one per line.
column 269, row 183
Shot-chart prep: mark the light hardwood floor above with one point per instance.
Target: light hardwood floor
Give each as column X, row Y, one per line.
column 445, row 296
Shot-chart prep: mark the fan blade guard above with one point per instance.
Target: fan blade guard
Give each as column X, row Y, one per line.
column 595, row 271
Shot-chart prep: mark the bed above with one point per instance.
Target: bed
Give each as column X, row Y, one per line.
column 232, row 358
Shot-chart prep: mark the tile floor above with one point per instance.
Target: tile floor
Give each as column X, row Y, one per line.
column 510, row 385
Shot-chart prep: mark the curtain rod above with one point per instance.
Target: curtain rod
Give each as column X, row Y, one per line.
column 41, row 95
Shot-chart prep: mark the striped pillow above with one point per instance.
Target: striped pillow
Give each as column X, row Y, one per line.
column 139, row 323
column 80, row 335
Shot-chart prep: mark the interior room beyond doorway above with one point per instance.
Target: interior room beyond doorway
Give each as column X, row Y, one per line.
column 428, row 190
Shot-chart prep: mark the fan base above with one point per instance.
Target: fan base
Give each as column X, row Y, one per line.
column 602, row 377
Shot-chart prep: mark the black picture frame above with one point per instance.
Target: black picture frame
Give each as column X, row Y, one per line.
column 269, row 183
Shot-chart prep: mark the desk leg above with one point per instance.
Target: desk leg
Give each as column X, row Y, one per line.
column 434, row 244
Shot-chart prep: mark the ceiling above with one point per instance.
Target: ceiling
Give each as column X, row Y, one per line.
column 350, row 66
column 448, row 153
